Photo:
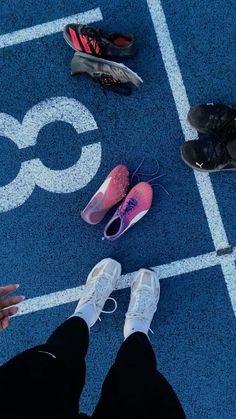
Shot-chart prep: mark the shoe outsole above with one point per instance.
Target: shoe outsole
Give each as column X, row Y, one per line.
column 134, row 77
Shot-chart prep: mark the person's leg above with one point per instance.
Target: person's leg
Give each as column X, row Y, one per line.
column 133, row 387
column 50, row 376
column 53, row 374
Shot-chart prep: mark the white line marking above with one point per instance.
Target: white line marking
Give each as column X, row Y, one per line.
column 182, row 104
column 203, row 180
column 34, row 172
column 168, row 270
column 229, row 272
column 212, row 211
column 204, row 184
column 48, row 28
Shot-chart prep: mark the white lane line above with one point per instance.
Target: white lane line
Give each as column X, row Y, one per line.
column 48, row 28
column 229, row 272
column 168, row 270
column 212, row 211
column 204, row 184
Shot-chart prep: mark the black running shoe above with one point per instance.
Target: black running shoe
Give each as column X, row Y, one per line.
column 108, row 74
column 209, row 156
column 94, row 41
column 214, row 118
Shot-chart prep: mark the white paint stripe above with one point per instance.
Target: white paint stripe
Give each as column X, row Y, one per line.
column 234, row 253
column 182, row 104
column 48, row 28
column 171, row 65
column 212, row 211
column 203, row 180
column 179, row 267
column 229, row 272
column 204, row 184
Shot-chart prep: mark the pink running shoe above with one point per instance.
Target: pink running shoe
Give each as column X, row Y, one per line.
column 133, row 208
column 113, row 189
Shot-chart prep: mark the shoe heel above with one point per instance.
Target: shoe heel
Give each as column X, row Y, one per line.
column 92, row 213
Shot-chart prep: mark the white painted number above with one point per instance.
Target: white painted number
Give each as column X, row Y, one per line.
column 33, row 172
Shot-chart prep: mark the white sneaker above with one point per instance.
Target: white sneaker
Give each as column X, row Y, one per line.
column 145, row 294
column 100, row 283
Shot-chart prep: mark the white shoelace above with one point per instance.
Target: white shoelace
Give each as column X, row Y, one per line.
column 109, row 312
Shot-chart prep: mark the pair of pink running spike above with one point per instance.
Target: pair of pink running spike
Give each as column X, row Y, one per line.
column 134, row 206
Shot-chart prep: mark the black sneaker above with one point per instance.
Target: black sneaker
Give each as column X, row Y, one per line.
column 214, row 118
column 108, row 74
column 94, row 41
column 209, row 156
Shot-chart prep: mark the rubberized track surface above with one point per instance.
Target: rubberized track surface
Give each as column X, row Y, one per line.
column 60, row 136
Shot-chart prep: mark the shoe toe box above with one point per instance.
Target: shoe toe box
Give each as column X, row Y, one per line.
column 198, row 116
column 107, row 266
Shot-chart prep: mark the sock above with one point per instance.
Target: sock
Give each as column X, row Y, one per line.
column 135, row 325
column 86, row 312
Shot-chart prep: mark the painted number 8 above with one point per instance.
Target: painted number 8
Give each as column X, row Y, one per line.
column 33, row 172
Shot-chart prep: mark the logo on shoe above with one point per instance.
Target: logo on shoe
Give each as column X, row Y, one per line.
column 199, row 165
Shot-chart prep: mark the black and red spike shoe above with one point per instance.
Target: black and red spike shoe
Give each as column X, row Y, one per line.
column 95, row 42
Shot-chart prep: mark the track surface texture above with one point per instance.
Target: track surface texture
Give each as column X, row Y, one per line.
column 59, row 138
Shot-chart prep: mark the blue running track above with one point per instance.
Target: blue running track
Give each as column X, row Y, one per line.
column 60, row 136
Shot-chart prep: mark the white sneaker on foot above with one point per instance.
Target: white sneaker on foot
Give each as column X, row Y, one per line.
column 100, row 283
column 145, row 294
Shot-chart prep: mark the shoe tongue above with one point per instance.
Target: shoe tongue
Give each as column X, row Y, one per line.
column 231, row 148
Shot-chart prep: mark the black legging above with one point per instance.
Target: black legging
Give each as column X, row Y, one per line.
column 48, row 385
